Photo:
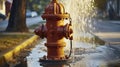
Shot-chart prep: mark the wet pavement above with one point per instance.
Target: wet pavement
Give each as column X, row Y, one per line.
column 89, row 56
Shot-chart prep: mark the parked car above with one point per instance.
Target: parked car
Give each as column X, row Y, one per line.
column 2, row 17
column 31, row 14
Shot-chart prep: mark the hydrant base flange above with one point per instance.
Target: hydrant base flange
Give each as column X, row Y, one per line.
column 52, row 62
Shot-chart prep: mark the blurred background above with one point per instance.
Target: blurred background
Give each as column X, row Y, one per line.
column 107, row 9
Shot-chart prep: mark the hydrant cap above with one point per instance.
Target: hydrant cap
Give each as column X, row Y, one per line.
column 54, row 0
column 55, row 8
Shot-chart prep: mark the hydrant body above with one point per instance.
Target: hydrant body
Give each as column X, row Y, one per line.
column 55, row 30
column 55, row 40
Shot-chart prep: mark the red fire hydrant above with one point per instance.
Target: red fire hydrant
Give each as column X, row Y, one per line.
column 55, row 30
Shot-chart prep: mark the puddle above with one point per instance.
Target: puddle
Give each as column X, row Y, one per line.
column 90, row 57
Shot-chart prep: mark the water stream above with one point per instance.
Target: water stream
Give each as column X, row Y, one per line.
column 82, row 13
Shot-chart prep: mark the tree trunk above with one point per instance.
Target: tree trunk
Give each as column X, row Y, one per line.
column 118, row 6
column 17, row 21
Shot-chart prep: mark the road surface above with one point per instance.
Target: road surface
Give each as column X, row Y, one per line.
column 29, row 22
column 108, row 30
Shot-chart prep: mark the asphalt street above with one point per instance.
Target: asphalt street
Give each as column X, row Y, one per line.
column 29, row 22
column 108, row 31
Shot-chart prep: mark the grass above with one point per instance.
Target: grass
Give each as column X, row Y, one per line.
column 8, row 41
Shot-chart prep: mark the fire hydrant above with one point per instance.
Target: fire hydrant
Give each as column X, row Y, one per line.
column 55, row 30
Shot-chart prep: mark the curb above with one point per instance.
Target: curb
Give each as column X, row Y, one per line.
column 9, row 55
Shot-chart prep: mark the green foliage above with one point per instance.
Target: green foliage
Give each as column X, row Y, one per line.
column 101, row 4
column 37, row 5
